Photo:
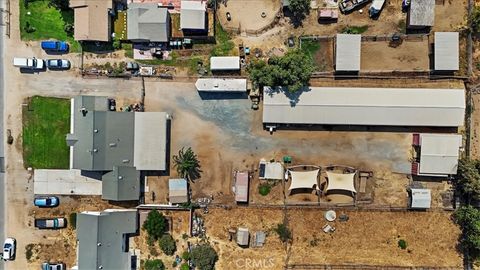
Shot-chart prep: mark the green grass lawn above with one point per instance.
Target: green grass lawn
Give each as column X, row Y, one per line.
column 355, row 29
column 48, row 21
column 224, row 45
column 46, row 121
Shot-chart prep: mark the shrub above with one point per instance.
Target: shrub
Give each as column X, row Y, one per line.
column 72, row 220
column 264, row 189
column 468, row 217
column 155, row 225
column 154, row 265
column 186, row 255
column 167, row 244
column 283, row 232
column 402, row 244
column 184, row 266
column 29, row 251
column 117, row 44
column 204, row 257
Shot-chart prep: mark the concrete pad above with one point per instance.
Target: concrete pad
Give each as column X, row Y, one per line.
column 64, row 182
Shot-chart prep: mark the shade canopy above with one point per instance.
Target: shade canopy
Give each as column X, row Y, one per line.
column 304, row 179
column 340, row 181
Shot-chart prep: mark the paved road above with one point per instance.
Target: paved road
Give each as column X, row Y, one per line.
column 2, row 141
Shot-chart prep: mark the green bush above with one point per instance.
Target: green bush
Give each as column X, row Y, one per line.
column 264, row 189
column 186, row 255
column 167, row 244
column 155, row 225
column 72, row 220
column 468, row 217
column 355, row 29
column 283, row 232
column 402, row 244
column 184, row 266
column 204, row 257
column 154, row 265
column 117, row 44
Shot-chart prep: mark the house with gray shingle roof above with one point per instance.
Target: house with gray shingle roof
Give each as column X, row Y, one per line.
column 103, row 239
column 116, row 147
column 148, row 22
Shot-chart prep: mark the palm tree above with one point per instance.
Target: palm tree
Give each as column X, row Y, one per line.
column 187, row 164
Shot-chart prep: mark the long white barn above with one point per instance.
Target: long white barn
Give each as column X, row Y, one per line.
column 366, row 106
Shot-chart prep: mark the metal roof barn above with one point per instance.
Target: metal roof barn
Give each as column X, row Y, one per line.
column 421, row 13
column 241, row 187
column 225, row 63
column 446, row 51
column 420, row 198
column 439, row 154
column 221, row 85
column 192, row 14
column 347, row 52
column 366, row 106
column 150, row 141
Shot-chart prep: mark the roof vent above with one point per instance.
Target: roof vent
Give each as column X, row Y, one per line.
column 95, row 130
column 99, row 244
column 112, row 144
column 95, row 150
column 120, row 177
column 126, row 161
column 100, row 267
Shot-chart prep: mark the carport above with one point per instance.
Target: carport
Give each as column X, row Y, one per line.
column 340, row 181
column 304, row 180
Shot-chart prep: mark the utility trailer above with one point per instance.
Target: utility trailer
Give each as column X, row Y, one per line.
column 375, row 8
column 347, row 6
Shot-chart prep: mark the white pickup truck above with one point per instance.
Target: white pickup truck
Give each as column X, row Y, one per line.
column 30, row 63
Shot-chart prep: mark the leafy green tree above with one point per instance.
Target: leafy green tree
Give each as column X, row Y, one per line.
column 474, row 20
column 155, row 224
column 184, row 266
column 186, row 255
column 204, row 257
column 468, row 178
column 283, row 232
column 468, row 218
column 292, row 70
column 154, row 265
column 300, row 9
column 187, row 164
column 60, row 4
column 167, row 244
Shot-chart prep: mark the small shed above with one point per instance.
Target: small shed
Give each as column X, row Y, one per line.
column 446, row 51
column 221, row 85
column 259, row 239
column 177, row 191
column 421, row 14
column 243, row 237
column 192, row 14
column 241, row 187
column 347, row 52
column 224, row 63
column 271, row 170
column 420, row 198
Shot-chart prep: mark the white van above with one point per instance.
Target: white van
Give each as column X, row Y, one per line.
column 32, row 63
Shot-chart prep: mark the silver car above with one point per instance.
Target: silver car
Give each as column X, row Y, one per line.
column 58, row 64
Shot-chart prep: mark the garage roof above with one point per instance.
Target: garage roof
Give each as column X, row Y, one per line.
column 192, row 14
column 439, row 153
column 366, row 106
column 446, row 51
column 347, row 53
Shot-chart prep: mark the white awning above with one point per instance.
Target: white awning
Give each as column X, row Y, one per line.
column 271, row 170
column 340, row 181
column 303, row 179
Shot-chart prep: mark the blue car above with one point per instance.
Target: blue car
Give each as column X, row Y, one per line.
column 55, row 46
column 50, row 201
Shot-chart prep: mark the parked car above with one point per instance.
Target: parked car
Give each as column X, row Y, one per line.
column 46, row 201
column 112, row 104
column 53, row 266
column 58, row 64
column 28, row 63
column 50, row 223
column 55, row 46
column 9, row 248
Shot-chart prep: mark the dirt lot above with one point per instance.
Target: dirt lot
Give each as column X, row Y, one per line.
column 247, row 14
column 410, row 55
column 369, row 238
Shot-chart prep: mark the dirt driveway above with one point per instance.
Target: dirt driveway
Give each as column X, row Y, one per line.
column 227, row 135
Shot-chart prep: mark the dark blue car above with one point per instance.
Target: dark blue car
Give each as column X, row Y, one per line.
column 55, row 46
column 47, row 201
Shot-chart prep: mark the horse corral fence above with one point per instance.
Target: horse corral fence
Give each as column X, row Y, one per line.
column 256, row 32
